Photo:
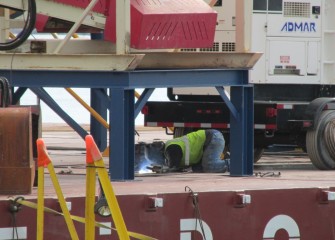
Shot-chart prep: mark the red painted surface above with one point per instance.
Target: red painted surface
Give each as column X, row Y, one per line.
column 155, row 24
column 302, row 210
column 169, row 24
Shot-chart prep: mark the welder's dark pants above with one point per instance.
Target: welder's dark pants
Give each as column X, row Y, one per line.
column 211, row 160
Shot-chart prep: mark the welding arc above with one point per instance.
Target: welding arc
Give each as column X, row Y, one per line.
column 26, row 31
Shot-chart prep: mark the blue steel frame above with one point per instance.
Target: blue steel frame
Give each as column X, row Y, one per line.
column 123, row 110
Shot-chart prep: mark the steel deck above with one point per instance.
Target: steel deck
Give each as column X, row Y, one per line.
column 296, row 196
column 67, row 150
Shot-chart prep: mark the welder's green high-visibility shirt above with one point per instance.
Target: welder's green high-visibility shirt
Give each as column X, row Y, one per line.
column 191, row 145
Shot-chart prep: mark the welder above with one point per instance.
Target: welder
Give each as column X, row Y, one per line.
column 201, row 150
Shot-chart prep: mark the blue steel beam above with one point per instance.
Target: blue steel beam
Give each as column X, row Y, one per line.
column 126, row 79
column 122, row 85
column 45, row 97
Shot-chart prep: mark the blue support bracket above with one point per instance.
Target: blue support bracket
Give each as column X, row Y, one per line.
column 18, row 94
column 142, row 100
column 229, row 104
column 43, row 95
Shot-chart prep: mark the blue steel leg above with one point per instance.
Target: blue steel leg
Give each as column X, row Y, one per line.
column 122, row 141
column 242, row 132
column 98, row 131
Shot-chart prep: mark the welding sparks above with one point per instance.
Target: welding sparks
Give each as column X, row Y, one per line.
column 148, row 157
column 144, row 167
column 145, row 170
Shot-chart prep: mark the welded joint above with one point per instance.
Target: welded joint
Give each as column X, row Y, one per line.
column 326, row 196
column 242, row 200
column 229, row 104
column 153, row 203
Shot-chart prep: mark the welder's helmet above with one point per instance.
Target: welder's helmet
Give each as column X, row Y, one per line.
column 173, row 155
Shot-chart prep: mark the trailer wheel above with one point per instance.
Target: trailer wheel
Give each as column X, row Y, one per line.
column 320, row 142
column 258, row 153
column 180, row 131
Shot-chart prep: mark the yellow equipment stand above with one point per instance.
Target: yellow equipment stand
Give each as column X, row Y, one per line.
column 44, row 161
column 95, row 163
column 94, row 157
column 90, row 198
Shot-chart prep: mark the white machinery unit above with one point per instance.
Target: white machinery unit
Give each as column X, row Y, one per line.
column 295, row 39
column 294, row 85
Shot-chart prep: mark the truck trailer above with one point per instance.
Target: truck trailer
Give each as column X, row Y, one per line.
column 293, row 81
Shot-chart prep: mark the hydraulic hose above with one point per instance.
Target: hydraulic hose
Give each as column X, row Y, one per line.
column 26, row 31
column 5, row 92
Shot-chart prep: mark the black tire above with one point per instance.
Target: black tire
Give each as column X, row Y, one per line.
column 320, row 142
column 101, row 207
column 180, row 131
column 258, row 153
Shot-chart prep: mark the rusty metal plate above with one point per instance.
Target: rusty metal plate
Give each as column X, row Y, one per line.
column 16, row 159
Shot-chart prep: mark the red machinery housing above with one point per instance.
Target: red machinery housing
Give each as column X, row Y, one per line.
column 155, row 24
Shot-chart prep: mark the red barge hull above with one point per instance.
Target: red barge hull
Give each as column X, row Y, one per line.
column 294, row 205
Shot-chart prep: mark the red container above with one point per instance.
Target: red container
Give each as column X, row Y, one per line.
column 154, row 24
column 168, row 24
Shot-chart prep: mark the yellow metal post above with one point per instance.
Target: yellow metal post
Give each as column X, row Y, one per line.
column 90, row 198
column 41, row 162
column 40, row 203
column 113, row 204
column 47, row 162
